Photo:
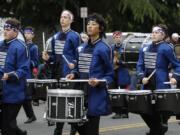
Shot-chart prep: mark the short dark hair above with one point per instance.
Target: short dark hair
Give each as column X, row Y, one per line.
column 14, row 23
column 100, row 20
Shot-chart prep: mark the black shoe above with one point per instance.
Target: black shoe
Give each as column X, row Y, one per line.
column 164, row 128
column 124, row 115
column 21, row 132
column 116, row 116
column 30, row 120
column 24, row 133
column 73, row 131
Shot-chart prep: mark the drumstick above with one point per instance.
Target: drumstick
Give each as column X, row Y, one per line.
column 167, row 82
column 65, row 59
column 44, row 44
column 151, row 74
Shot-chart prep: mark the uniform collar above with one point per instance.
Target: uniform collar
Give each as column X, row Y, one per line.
column 118, row 45
column 9, row 41
column 159, row 42
column 94, row 42
column 66, row 31
column 29, row 42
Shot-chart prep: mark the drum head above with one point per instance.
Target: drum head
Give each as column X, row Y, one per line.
column 139, row 92
column 117, row 91
column 64, row 92
column 167, row 91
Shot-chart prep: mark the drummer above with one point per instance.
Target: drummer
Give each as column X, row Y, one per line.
column 154, row 60
column 95, row 62
column 63, row 46
column 121, row 74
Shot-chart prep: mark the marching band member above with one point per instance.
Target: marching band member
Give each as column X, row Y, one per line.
column 63, row 44
column 95, row 62
column 14, row 69
column 121, row 74
column 156, row 58
column 33, row 52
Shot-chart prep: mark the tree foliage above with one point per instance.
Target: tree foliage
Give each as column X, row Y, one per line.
column 125, row 15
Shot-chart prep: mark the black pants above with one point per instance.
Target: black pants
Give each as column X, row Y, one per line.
column 9, row 123
column 154, row 122
column 1, row 116
column 59, row 128
column 89, row 128
column 28, row 108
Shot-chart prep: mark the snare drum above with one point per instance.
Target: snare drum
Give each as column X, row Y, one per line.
column 65, row 105
column 118, row 97
column 167, row 101
column 41, row 86
column 140, row 101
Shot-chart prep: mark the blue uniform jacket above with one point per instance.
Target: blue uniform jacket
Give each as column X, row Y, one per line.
column 34, row 58
column 123, row 73
column 95, row 61
column 165, row 57
column 15, row 61
column 64, row 43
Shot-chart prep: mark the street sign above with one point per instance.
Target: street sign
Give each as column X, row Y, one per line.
column 84, row 12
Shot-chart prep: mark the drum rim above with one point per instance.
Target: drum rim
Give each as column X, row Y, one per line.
column 31, row 80
column 117, row 91
column 167, row 91
column 63, row 120
column 139, row 92
column 46, row 80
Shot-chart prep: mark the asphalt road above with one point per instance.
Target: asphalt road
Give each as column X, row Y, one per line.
column 108, row 126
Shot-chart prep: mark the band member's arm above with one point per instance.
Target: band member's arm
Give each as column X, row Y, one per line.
column 71, row 46
column 1, row 73
column 34, row 57
column 75, row 71
column 17, row 63
column 170, row 55
column 140, row 66
column 104, row 56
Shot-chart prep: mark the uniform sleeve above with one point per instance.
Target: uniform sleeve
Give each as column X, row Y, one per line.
column 34, row 57
column 140, row 65
column 106, row 56
column 52, row 54
column 72, row 44
column 1, row 72
column 75, row 71
column 170, row 55
column 17, row 63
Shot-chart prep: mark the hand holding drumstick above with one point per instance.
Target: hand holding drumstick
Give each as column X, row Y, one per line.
column 145, row 80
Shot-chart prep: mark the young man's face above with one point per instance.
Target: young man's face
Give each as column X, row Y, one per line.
column 9, row 33
column 117, row 39
column 65, row 19
column 157, row 35
column 29, row 36
column 93, row 28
